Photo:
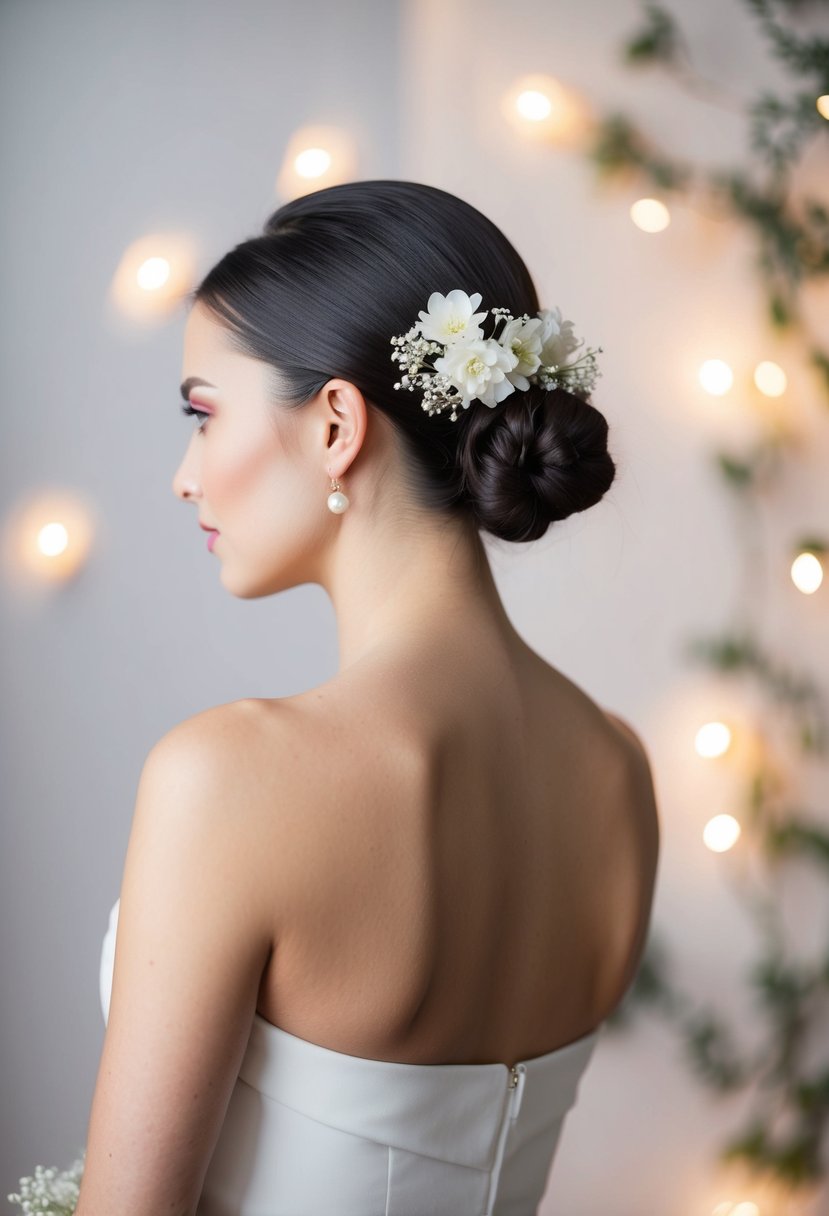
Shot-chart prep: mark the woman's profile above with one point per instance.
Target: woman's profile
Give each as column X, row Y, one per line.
column 367, row 935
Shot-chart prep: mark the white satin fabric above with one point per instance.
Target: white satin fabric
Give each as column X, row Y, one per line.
column 315, row 1132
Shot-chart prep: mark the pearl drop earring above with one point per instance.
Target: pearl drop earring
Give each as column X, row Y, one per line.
column 337, row 501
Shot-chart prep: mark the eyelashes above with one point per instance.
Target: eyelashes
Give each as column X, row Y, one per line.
column 188, row 409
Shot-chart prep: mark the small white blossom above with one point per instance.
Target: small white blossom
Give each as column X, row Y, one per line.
column 557, row 338
column 479, row 369
column 450, row 318
column 524, row 340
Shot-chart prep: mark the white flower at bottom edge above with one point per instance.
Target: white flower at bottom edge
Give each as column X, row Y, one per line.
column 557, row 337
column 479, row 370
column 451, row 318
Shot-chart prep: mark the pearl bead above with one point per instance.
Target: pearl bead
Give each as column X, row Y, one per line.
column 337, row 502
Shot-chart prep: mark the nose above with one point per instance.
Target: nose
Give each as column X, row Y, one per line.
column 185, row 485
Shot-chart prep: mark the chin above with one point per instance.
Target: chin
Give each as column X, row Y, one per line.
column 256, row 589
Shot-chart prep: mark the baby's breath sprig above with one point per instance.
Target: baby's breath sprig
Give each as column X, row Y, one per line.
column 438, row 390
column 51, row 1192
column 579, row 380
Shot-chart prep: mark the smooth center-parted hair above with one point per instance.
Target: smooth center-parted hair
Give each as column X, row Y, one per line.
column 338, row 272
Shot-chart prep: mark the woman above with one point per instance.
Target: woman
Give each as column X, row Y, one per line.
column 367, row 935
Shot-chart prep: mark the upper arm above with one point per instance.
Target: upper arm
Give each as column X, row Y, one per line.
column 192, row 944
column 640, row 794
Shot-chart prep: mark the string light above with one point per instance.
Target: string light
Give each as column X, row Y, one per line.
column 533, row 105
column 770, row 378
column 721, row 833
column 316, row 156
column 712, row 739
column 52, row 539
column 716, row 377
column 650, row 215
column 49, row 537
column 312, row 162
column 152, row 276
column 540, row 107
column 807, row 572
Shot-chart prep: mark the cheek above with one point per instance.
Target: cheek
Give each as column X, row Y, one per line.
column 231, row 471
column 257, row 489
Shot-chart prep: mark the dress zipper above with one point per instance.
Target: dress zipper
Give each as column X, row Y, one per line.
column 515, row 1092
column 516, row 1084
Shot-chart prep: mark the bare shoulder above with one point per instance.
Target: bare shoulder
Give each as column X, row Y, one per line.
column 257, row 758
column 633, row 743
column 232, row 764
column 236, row 778
column 221, row 736
column 639, row 776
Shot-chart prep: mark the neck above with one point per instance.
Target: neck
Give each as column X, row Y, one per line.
column 401, row 581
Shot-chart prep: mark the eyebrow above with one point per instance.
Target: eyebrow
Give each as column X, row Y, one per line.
column 193, row 382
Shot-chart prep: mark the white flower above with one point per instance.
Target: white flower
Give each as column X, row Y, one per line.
column 557, row 338
column 479, row 369
column 450, row 318
column 524, row 340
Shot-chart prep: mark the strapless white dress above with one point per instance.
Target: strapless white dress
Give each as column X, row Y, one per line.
column 315, row 1132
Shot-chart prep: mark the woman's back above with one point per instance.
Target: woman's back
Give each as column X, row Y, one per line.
column 464, row 848
column 460, row 861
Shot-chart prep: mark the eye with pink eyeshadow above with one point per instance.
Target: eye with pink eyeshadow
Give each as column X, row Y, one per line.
column 188, row 409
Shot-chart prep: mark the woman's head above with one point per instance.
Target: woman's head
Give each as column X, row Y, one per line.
column 297, row 322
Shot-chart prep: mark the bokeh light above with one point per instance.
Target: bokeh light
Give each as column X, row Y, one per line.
column 716, row 377
column 650, row 215
column 770, row 378
column 807, row 572
column 721, row 833
column 712, row 739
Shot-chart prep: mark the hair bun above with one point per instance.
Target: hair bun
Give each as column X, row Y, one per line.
column 538, row 457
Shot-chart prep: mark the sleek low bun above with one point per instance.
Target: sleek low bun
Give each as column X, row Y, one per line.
column 537, row 457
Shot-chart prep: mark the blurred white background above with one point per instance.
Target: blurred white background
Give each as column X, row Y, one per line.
column 173, row 119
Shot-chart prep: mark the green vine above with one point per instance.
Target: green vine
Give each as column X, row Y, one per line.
column 788, row 1122
column 791, row 235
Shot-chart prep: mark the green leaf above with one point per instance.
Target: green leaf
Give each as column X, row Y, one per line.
column 779, row 311
column 739, row 473
column 820, row 359
column 812, row 544
column 656, row 41
column 798, row 836
column 751, row 1145
column 725, row 654
column 812, row 1096
column 712, row 1051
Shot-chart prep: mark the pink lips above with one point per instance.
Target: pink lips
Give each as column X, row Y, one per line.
column 211, row 540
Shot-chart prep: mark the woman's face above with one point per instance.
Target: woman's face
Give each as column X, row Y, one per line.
column 255, row 474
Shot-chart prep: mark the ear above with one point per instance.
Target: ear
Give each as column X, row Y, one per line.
column 345, row 414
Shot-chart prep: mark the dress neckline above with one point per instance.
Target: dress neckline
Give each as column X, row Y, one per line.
column 575, row 1047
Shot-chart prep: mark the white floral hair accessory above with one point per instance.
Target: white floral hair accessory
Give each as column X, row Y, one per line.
column 471, row 367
